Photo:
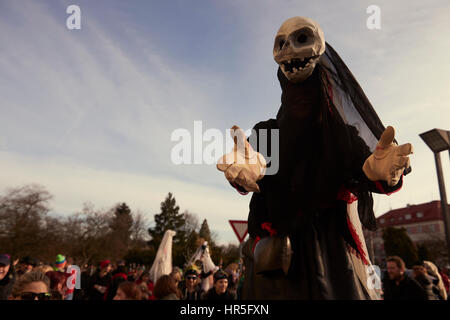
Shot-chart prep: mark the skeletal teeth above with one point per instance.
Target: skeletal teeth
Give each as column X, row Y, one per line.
column 295, row 69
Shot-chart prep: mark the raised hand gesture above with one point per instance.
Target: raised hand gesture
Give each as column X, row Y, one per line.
column 243, row 165
column 389, row 160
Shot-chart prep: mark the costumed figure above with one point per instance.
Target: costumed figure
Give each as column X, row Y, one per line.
column 208, row 267
column 305, row 218
column 163, row 260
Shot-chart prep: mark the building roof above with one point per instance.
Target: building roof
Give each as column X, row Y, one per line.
column 430, row 211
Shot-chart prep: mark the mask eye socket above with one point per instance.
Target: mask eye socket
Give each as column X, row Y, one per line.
column 302, row 38
column 280, row 41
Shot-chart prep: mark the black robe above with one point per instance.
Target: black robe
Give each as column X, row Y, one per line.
column 318, row 156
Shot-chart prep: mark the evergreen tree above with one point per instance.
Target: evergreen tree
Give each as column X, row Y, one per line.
column 121, row 224
column 204, row 232
column 191, row 244
column 398, row 243
column 169, row 218
column 422, row 252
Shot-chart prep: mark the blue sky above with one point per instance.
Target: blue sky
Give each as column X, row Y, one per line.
column 89, row 113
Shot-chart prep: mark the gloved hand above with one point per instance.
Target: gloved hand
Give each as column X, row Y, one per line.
column 243, row 165
column 389, row 160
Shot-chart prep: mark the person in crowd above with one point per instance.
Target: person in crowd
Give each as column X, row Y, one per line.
column 118, row 276
column 33, row 285
column 58, row 284
column 132, row 275
column 90, row 270
column 166, row 288
column 219, row 291
column 7, row 276
column 60, row 263
column 241, row 280
column 145, row 293
column 231, row 270
column 398, row 286
column 190, row 287
column 128, row 290
column 427, row 282
column 85, row 281
column 73, row 272
column 26, row 265
column 100, row 281
column 176, row 275
column 146, row 285
column 446, row 281
column 44, row 268
column 206, row 278
column 433, row 271
column 139, row 271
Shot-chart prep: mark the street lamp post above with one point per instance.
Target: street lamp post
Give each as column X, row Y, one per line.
column 439, row 140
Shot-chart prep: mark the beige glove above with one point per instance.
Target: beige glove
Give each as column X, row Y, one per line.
column 389, row 160
column 243, row 165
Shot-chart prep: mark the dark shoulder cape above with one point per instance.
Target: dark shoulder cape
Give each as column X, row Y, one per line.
column 327, row 129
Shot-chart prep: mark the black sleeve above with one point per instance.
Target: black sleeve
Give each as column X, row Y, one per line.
column 387, row 293
column 205, row 274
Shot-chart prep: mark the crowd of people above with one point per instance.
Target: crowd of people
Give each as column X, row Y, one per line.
column 423, row 282
column 28, row 279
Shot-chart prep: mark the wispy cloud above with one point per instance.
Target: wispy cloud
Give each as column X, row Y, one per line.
column 89, row 113
column 87, row 99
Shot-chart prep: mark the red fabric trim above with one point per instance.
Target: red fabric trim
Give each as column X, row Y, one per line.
column 240, row 192
column 264, row 226
column 254, row 243
column 330, row 93
column 120, row 274
column 346, row 195
column 361, row 254
column 380, row 187
column 268, row 227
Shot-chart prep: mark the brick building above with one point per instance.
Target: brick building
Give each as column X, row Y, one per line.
column 423, row 223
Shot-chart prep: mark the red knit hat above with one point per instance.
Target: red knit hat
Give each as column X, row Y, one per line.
column 103, row 264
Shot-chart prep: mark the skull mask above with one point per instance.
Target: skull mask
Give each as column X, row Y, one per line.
column 298, row 46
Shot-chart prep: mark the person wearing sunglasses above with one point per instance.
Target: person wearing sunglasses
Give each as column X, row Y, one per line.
column 191, row 288
column 33, row 285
